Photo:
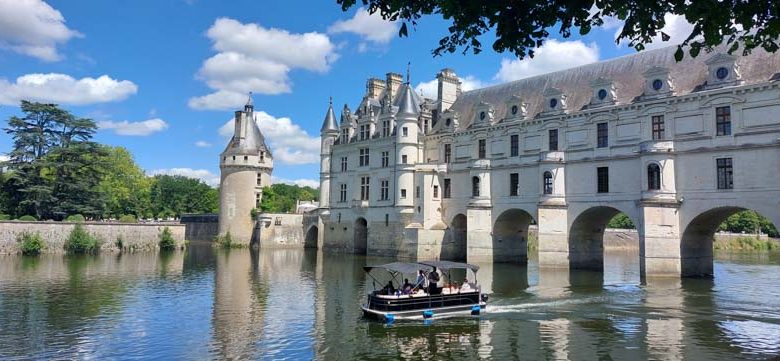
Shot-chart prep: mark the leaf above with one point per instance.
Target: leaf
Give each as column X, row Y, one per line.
column 678, row 55
column 403, row 32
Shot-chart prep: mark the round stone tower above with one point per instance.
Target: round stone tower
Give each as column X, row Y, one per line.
column 245, row 167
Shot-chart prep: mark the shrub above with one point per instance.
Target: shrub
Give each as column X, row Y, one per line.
column 128, row 218
column 166, row 240
column 76, row 218
column 746, row 243
column 4, row 217
column 30, row 244
column 226, row 241
column 254, row 213
column 119, row 243
column 27, row 218
column 81, row 242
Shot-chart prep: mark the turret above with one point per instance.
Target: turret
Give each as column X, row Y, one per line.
column 328, row 135
column 407, row 131
column 245, row 168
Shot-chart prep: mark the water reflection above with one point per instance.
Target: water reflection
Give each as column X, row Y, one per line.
column 291, row 304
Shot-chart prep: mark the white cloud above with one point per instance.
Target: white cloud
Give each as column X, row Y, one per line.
column 4, row 158
column 142, row 128
column 430, row 89
column 554, row 55
column 676, row 27
column 289, row 143
column 202, row 144
column 370, row 27
column 33, row 28
column 299, row 182
column 257, row 59
column 64, row 89
column 202, row 174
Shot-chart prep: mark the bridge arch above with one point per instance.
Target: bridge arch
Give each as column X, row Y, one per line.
column 697, row 240
column 360, row 236
column 510, row 235
column 311, row 238
column 454, row 246
column 586, row 236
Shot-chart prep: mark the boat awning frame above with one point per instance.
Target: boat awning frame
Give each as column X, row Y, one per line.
column 448, row 265
column 401, row 267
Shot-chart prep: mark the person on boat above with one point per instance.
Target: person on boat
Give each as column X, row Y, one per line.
column 407, row 287
column 466, row 287
column 421, row 281
column 389, row 289
column 433, row 282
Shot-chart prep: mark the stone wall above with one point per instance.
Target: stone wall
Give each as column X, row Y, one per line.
column 200, row 227
column 135, row 236
column 280, row 230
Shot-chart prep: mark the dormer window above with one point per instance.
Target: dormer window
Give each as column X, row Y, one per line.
column 553, row 103
column 721, row 73
column 448, row 122
column 481, row 115
column 602, row 94
column 514, row 110
column 658, row 84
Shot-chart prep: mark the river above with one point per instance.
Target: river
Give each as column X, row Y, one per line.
column 207, row 303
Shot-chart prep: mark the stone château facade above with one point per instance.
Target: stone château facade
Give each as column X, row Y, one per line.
column 676, row 146
column 245, row 168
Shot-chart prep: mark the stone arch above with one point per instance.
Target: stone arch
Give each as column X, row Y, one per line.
column 454, row 247
column 312, row 236
column 696, row 243
column 360, row 238
column 586, row 237
column 510, row 236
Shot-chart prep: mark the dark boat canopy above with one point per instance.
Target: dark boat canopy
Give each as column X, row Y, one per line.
column 402, row 267
column 448, row 265
column 413, row 267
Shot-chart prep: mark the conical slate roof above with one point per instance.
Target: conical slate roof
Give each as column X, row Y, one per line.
column 329, row 124
column 408, row 104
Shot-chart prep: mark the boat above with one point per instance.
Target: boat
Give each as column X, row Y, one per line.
column 449, row 298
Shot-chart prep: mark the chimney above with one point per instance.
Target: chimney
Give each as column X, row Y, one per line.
column 374, row 88
column 449, row 88
column 393, row 82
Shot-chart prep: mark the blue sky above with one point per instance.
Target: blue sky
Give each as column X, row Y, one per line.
column 162, row 78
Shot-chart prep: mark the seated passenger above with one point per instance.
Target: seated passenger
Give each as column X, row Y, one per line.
column 389, row 289
column 407, row 287
column 466, row 287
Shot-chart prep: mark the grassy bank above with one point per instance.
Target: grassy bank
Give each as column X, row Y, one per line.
column 746, row 243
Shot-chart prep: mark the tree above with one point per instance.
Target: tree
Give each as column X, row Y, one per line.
column 172, row 196
column 522, row 26
column 126, row 187
column 281, row 198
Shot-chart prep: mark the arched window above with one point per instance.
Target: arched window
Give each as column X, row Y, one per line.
column 548, row 183
column 475, row 186
column 653, row 177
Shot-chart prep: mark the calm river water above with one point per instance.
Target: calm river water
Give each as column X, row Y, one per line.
column 293, row 304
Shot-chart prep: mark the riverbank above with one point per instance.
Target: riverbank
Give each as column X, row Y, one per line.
column 113, row 237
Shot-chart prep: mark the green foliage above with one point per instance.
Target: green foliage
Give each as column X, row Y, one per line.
column 127, row 189
column 621, row 221
column 30, row 244
column 746, row 244
column 521, row 27
column 226, row 241
column 77, row 218
column 281, row 198
column 128, row 218
column 119, row 243
column 167, row 242
column 81, row 242
column 27, row 218
column 748, row 222
column 5, row 217
column 171, row 196
column 254, row 213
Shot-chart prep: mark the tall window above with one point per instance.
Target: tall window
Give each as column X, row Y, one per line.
column 435, row 192
column 723, row 120
column 653, row 177
column 344, row 135
column 259, row 179
column 417, row 192
column 342, row 193
column 364, row 188
column 553, row 139
column 343, row 164
column 725, row 173
column 385, row 159
column 658, row 127
column 447, row 188
column 365, row 132
column 548, row 183
column 403, row 158
column 405, row 131
column 602, row 179
column 481, row 151
column 384, row 189
column 447, row 153
column 475, row 186
column 514, row 183
column 602, row 135
column 363, row 157
column 403, row 193
column 514, row 145
column 386, row 128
